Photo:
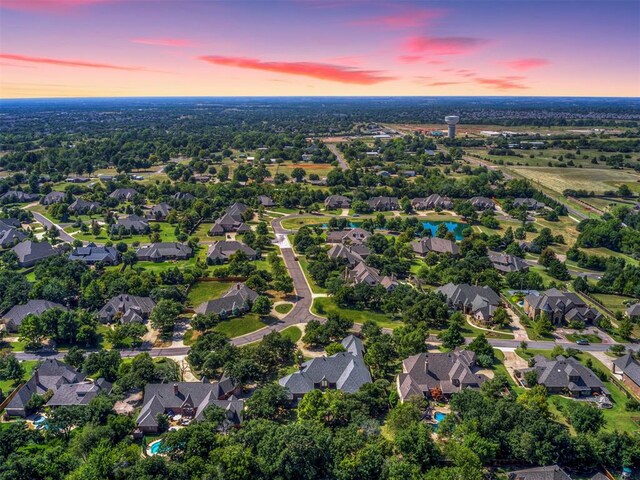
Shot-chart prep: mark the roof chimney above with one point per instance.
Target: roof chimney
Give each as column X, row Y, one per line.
column 175, row 389
column 36, row 375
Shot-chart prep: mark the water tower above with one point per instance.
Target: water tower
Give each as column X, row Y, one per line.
column 452, row 120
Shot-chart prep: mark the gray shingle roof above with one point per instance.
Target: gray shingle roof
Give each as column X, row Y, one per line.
column 431, row 202
column 634, row 310
column 14, row 317
column 238, row 298
column 93, row 254
column 124, row 303
column 132, row 223
column 164, row 251
column 9, row 236
column 337, row 201
column 480, row 301
column 355, row 235
column 78, row 393
column 629, row 366
column 159, row 212
column 506, row 263
column 529, row 203
column 17, row 196
column 384, row 203
column 52, row 197
column 566, row 373
column 551, row 472
column 123, row 194
column 222, row 250
column 482, row 203
column 81, row 205
column 344, row 371
column 434, row 244
column 567, row 304
column 30, row 252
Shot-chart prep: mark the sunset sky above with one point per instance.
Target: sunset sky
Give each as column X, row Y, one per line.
column 85, row 48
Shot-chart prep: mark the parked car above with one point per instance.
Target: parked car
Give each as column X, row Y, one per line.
column 582, row 341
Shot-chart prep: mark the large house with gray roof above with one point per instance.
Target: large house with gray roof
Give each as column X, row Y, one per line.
column 528, row 203
column 131, row 225
column 92, row 254
column 220, row 252
column 231, row 221
column 383, row 204
column 438, row 375
column 506, row 263
column 566, row 376
column 79, row 393
column 81, row 206
column 629, row 368
column 13, row 318
column 127, row 309
column 482, row 203
column 189, row 399
column 236, row 301
column 159, row 212
column 345, row 371
column 480, row 302
column 53, row 197
column 18, row 196
column 333, row 202
column 363, row 273
column 634, row 311
column 50, row 376
column 349, row 254
column 560, row 307
column 123, row 194
column 549, row 472
column 432, row 202
column 29, row 252
column 354, row 235
column 10, row 234
column 425, row 245
column 162, row 251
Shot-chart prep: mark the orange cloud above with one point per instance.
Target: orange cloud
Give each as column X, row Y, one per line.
column 424, row 45
column 408, row 19
column 321, row 71
column 442, row 84
column 67, row 63
column 503, row 83
column 523, row 64
column 164, row 42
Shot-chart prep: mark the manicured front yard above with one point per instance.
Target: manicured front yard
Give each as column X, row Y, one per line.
column 591, row 337
column 202, row 291
column 292, row 333
column 236, row 327
column 284, row 308
column 302, row 260
column 325, row 305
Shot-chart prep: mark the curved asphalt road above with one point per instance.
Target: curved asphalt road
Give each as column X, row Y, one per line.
column 48, row 223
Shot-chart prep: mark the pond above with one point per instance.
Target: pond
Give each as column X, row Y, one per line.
column 455, row 227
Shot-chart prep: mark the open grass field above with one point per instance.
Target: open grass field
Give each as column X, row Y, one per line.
column 320, row 169
column 325, row 305
column 596, row 180
column 614, row 302
column 203, row 291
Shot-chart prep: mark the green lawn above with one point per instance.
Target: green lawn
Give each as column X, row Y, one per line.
column 236, row 327
column 591, row 337
column 284, row 308
column 325, row 305
column 202, row 291
column 167, row 234
column 471, row 331
column 302, row 260
column 7, row 386
column 292, row 333
column 613, row 302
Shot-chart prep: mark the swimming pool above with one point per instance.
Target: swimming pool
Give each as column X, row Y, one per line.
column 439, row 416
column 156, row 447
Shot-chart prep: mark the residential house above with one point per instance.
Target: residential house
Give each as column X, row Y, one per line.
column 550, row 472
column 237, row 210
column 17, row 196
column 159, row 212
column 228, row 223
column 184, row 197
column 53, row 197
column 163, row 251
column 50, row 376
column 353, row 236
column 528, row 203
column 634, row 311
column 480, row 302
column 482, row 203
column 349, row 254
column 383, row 204
column 84, row 207
column 434, row 244
column 236, row 301
column 81, row 393
column 133, row 224
column 266, row 201
column 13, row 318
column 629, row 368
column 565, row 376
column 127, row 309
column 506, row 263
column 220, row 252
column 560, row 306
column 123, row 194
column 10, row 222
column 9, row 233
column 432, row 202
column 438, row 375
column 77, row 179
column 29, row 252
column 363, row 273
column 92, row 254
column 188, row 399
column 345, row 371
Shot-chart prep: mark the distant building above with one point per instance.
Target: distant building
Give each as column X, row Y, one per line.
column 349, row 254
column 159, row 212
column 634, row 311
column 220, row 252
column 438, row 375
column 383, row 204
column 528, row 203
column 52, row 197
column 432, row 202
column 266, row 201
column 506, row 263
column 10, row 234
column 482, row 203
column 188, row 399
column 345, row 371
column 133, row 224
column 236, row 301
column 84, row 207
column 560, row 307
column 13, row 318
column 92, row 254
column 29, row 252
column 17, row 196
column 127, row 309
column 363, row 273
column 184, row 197
column 124, row 194
column 334, row 202
column 353, row 236
column 565, row 376
column 163, row 251
column 480, row 302
column 434, row 244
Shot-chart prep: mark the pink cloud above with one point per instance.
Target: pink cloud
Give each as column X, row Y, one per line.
column 523, row 64
column 322, row 71
column 407, row 19
column 442, row 84
column 164, row 42
column 424, row 45
column 66, row 63
column 512, row 82
column 49, row 5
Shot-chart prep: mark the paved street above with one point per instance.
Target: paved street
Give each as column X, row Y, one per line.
column 48, row 223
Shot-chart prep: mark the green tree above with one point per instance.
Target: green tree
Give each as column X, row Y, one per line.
column 452, row 336
column 262, row 305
